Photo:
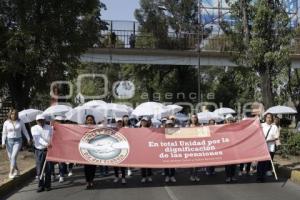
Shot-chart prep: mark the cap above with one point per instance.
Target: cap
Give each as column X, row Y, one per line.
column 119, row 119
column 145, row 119
column 169, row 121
column 39, row 117
column 164, row 119
column 172, row 117
column 229, row 116
column 59, row 118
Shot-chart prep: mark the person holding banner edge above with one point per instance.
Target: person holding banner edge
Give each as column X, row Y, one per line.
column 271, row 134
column 42, row 134
column 90, row 170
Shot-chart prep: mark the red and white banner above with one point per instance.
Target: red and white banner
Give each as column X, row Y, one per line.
column 236, row 143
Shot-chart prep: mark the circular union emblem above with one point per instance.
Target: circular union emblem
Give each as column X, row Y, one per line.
column 104, row 146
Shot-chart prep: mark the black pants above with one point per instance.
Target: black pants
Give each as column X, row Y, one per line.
column 210, row 170
column 264, row 166
column 62, row 169
column 117, row 169
column 40, row 157
column 89, row 172
column 169, row 172
column 230, row 170
column 248, row 166
column 146, row 172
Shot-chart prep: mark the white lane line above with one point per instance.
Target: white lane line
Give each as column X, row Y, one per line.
column 170, row 193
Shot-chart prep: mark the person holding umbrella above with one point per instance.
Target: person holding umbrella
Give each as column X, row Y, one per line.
column 42, row 134
column 12, row 131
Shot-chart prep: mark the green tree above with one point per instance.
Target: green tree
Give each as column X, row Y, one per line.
column 41, row 41
column 261, row 36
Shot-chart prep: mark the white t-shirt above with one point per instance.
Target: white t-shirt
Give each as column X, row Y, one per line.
column 272, row 136
column 14, row 129
column 41, row 136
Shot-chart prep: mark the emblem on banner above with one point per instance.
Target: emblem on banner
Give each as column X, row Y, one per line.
column 104, row 147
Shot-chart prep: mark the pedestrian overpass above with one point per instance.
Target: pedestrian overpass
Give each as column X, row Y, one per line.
column 166, row 57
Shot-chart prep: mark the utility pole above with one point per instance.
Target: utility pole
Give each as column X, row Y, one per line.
column 199, row 49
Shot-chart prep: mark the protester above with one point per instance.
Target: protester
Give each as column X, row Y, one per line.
column 230, row 169
column 271, row 135
column 169, row 172
column 211, row 170
column 127, row 124
column 117, row 169
column 42, row 134
column 12, row 131
column 194, row 122
column 89, row 170
column 146, row 172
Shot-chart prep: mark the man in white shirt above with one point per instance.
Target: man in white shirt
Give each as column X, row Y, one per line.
column 42, row 134
column 271, row 134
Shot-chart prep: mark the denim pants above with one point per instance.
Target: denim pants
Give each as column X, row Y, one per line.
column 13, row 146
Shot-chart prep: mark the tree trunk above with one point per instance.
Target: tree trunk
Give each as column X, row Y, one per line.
column 266, row 89
column 18, row 91
column 245, row 22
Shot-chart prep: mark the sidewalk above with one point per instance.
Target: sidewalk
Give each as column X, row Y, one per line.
column 26, row 164
column 289, row 167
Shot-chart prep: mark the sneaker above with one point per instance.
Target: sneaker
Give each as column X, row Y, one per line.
column 11, row 176
column 240, row 173
column 143, row 180
column 269, row 173
column 123, row 181
column 70, row 173
column 129, row 172
column 173, row 180
column 149, row 179
column 197, row 179
column 116, row 180
column 228, row 180
column 16, row 173
column 61, row 179
column 41, row 189
column 233, row 179
column 167, row 179
column 192, row 178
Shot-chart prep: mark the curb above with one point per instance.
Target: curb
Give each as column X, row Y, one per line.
column 11, row 185
column 295, row 176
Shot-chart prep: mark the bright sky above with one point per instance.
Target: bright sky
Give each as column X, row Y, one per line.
column 119, row 9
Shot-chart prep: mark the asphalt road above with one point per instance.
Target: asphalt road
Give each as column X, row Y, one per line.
column 209, row 188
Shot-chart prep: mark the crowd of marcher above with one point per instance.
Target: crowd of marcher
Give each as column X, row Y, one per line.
column 39, row 136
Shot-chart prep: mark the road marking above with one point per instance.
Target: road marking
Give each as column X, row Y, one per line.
column 170, row 193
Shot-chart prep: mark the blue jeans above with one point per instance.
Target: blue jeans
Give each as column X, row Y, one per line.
column 13, row 146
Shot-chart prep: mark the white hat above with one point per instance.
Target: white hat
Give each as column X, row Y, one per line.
column 40, row 117
column 169, row 121
column 59, row 118
column 145, row 118
column 229, row 116
column 119, row 119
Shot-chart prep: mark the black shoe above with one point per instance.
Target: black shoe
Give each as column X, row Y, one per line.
column 41, row 189
column 88, row 187
column 48, row 189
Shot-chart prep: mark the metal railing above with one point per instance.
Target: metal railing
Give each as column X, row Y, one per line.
column 126, row 34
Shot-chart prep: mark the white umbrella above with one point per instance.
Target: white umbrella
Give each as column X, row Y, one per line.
column 94, row 103
column 57, row 110
column 155, row 122
column 224, row 111
column 281, row 110
column 204, row 117
column 174, row 108
column 151, row 109
column 181, row 117
column 113, row 110
column 79, row 114
column 29, row 115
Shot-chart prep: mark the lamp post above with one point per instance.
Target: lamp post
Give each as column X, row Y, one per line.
column 199, row 49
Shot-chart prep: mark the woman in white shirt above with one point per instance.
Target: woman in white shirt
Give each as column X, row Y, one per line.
column 12, row 139
column 271, row 134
